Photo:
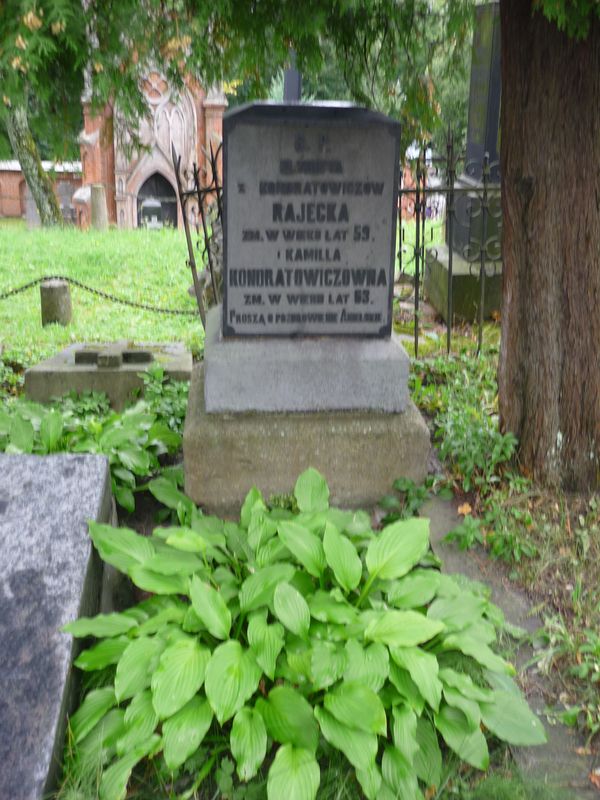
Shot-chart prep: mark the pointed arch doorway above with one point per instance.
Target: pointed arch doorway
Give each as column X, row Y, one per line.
column 157, row 189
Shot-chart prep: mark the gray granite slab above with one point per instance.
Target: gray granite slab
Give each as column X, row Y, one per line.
column 303, row 374
column 49, row 576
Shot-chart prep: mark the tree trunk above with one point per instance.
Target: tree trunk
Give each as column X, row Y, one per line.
column 25, row 150
column 549, row 372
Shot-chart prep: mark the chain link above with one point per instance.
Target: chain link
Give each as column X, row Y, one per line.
column 99, row 293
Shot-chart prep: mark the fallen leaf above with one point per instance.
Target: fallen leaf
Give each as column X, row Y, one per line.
column 583, row 751
column 595, row 779
column 464, row 509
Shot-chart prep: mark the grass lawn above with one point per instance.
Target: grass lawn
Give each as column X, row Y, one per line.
column 139, row 265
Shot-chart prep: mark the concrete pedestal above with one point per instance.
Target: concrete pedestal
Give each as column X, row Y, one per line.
column 360, row 453
column 465, row 285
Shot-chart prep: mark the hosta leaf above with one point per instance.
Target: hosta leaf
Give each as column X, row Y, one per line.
column 428, row 759
column 135, row 459
column 158, row 584
column 399, row 774
column 185, row 730
column 342, row 557
column 465, row 685
column 423, row 669
column 136, row 666
column 266, row 642
column 369, row 665
column 468, row 744
column 357, row 706
column 288, row 718
column 113, row 785
column 21, row 434
column 291, row 609
column 173, row 613
column 169, row 495
column 370, row 781
column 293, row 775
column 248, row 741
column 100, row 626
column 140, row 721
column 232, row 676
column 415, row 589
column 458, row 612
column 179, row 675
column 304, row 546
column 99, row 744
column 261, row 529
column 509, row 717
column 478, row 650
column 253, row 500
column 327, row 663
column 326, row 608
column 311, row 491
column 169, row 561
column 469, row 707
column 360, row 748
column 407, row 688
column 121, row 547
column 186, row 540
column 402, row 628
column 51, row 429
column 94, row 707
column 258, row 589
column 210, row 607
column 404, row 731
column 102, row 654
column 272, row 551
column 398, row 548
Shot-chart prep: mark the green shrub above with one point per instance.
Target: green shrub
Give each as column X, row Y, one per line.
column 283, row 636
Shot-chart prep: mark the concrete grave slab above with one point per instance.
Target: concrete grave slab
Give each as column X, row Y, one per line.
column 112, row 368
column 359, row 452
column 307, row 374
column 50, row 576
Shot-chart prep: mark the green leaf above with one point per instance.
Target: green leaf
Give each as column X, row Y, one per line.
column 311, row 491
column 357, row 706
column 261, row 529
column 210, row 607
column 415, row 589
column 402, row 628
column 468, row 744
column 326, row 608
column 398, row 548
column 232, row 677
column 360, row 748
column 258, row 589
column 428, row 759
column 266, row 642
column 288, row 718
column 342, row 557
column 477, row 649
column 179, row 675
column 158, row 584
column 465, row 685
column 120, row 547
column 469, row 707
column 406, row 688
column 101, row 625
column 155, row 624
column 369, row 665
column 102, row 654
column 304, row 546
column 404, row 731
column 124, row 497
column 185, row 730
column 509, row 718
column 294, row 775
column 458, row 612
column 113, row 785
column 51, row 430
column 170, row 561
column 327, row 663
column 140, row 721
column 168, row 494
column 94, row 707
column 253, row 500
column 136, row 665
column 423, row 669
column 248, row 741
column 186, row 540
column 399, row 774
column 291, row 609
column 21, row 434
column 370, row 781
column 99, row 744
column 135, row 458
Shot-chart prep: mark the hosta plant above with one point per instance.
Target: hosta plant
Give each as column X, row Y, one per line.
column 285, row 634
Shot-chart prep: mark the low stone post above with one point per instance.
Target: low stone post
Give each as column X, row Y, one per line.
column 55, row 297
column 99, row 208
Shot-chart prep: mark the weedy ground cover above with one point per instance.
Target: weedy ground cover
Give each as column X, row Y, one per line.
column 275, row 645
column 549, row 540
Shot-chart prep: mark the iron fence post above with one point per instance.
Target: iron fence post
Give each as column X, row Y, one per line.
column 483, row 247
column 450, row 176
column 417, row 250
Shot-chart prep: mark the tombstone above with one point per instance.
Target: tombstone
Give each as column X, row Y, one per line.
column 483, row 136
column 301, row 367
column 50, row 576
column 111, row 367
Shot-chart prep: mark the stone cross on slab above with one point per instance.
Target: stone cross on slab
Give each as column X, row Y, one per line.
column 112, row 355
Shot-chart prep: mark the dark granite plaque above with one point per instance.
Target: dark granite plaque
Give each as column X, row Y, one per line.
column 310, row 198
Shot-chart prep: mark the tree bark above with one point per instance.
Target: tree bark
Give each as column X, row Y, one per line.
column 549, row 371
column 26, row 152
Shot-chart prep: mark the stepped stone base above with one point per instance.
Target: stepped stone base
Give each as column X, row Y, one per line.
column 360, row 453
